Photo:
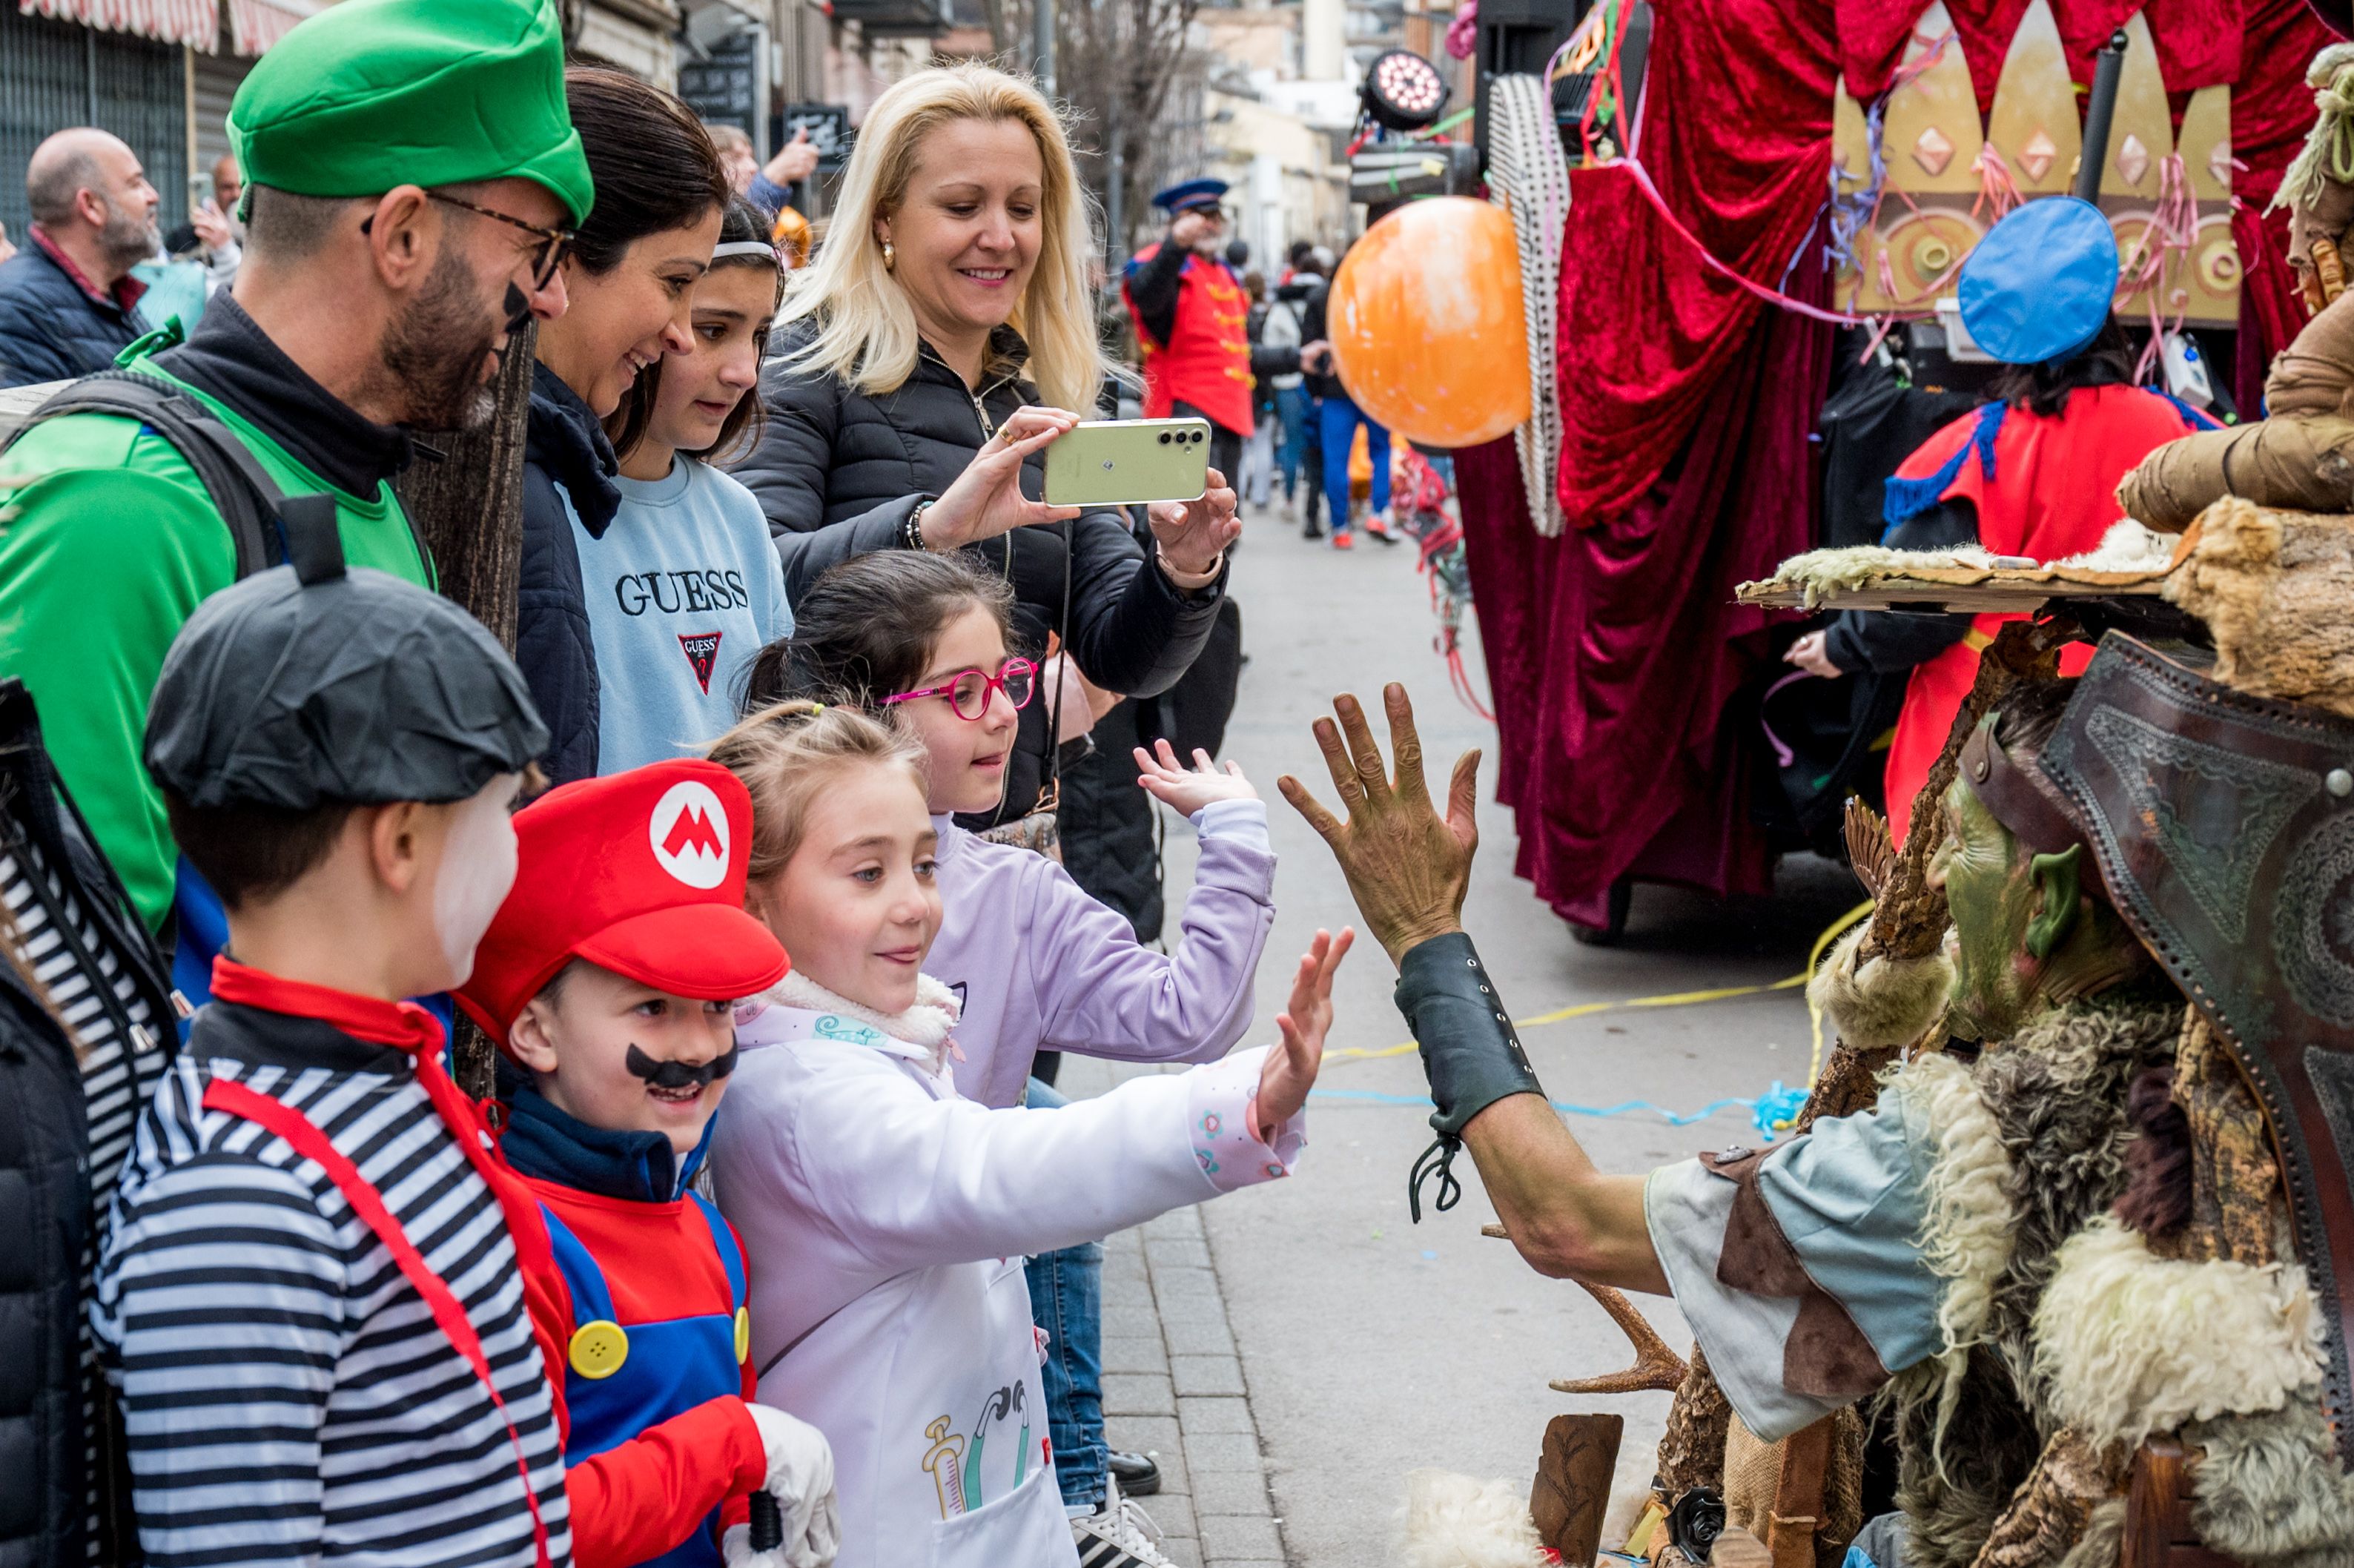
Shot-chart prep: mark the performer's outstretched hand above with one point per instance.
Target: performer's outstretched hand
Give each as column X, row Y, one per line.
column 1408, row 868
column 1291, row 1069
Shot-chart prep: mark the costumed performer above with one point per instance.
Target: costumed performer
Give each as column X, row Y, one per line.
column 609, row 980
column 1912, row 1246
column 2032, row 473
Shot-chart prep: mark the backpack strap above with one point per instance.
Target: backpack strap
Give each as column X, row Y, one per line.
column 247, row 499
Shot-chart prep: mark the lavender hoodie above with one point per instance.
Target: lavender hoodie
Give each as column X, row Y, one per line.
column 1044, row 966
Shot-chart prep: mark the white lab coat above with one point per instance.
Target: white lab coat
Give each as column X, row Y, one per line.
column 885, row 1222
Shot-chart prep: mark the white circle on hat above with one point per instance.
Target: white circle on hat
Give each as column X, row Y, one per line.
column 689, row 835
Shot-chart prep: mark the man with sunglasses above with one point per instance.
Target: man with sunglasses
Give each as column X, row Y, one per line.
column 412, row 180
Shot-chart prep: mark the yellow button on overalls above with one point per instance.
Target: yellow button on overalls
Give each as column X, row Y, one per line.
column 599, row 1348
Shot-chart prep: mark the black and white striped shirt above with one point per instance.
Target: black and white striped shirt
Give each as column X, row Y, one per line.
column 286, row 1391
column 120, row 1044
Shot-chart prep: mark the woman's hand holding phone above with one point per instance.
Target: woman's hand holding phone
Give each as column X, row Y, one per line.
column 1193, row 534
column 986, row 499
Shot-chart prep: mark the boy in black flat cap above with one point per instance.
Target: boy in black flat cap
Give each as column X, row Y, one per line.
column 313, row 1289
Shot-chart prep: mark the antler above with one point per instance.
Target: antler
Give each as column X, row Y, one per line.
column 1870, row 849
column 1655, row 1366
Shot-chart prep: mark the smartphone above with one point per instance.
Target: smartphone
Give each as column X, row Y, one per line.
column 1119, row 462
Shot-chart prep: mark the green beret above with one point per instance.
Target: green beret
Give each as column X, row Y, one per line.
column 370, row 94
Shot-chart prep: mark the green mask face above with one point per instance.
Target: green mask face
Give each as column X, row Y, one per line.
column 2012, row 909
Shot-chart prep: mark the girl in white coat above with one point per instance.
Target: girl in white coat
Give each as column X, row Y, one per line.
column 884, row 1217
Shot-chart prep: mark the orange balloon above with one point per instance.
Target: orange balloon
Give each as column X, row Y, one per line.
column 1426, row 324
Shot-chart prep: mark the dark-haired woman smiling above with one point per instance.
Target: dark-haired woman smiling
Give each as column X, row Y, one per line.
column 630, row 277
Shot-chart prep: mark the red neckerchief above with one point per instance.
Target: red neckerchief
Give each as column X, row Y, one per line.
column 127, row 289
column 408, row 1028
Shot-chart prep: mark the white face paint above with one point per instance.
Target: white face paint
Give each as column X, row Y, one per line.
column 478, row 867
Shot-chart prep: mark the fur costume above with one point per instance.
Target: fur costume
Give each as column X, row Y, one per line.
column 1456, row 1522
column 2129, row 1344
column 2030, row 1149
column 1885, row 1002
column 2268, row 1491
column 2272, row 587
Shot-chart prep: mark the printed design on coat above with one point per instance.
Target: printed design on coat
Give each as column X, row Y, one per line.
column 702, row 650
column 954, row 1461
column 833, row 1026
column 688, row 831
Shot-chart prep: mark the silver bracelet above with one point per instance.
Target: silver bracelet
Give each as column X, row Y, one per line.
column 911, row 532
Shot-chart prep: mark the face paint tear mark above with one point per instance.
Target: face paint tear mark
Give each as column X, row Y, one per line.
column 678, row 1074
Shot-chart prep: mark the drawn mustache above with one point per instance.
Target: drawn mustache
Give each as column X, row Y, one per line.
column 678, row 1074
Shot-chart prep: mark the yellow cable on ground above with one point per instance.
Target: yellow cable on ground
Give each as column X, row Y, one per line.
column 1671, row 999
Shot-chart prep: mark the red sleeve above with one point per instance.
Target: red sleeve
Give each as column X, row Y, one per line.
column 645, row 1497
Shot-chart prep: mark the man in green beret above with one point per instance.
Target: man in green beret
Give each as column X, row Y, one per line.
column 413, row 179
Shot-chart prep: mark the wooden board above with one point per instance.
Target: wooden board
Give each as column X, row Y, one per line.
column 1965, row 589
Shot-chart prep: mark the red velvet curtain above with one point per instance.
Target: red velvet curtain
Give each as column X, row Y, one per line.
column 1614, row 651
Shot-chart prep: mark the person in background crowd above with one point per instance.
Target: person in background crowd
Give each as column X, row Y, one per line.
column 69, row 304
column 1337, row 418
column 899, row 412
column 686, row 536
column 1258, row 483
column 213, row 235
column 2031, row 473
column 775, row 187
column 1041, row 964
column 1288, row 397
column 1312, row 270
column 1191, row 319
column 608, row 980
column 630, row 277
column 401, row 221
column 313, row 1289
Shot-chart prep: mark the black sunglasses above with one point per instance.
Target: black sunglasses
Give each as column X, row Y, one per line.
column 555, row 244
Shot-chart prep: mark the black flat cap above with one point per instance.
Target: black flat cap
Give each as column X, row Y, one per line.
column 305, row 685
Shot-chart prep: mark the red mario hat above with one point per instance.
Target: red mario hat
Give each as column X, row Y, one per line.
column 641, row 872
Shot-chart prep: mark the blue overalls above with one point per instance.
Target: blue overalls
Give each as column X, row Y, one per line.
column 620, row 1378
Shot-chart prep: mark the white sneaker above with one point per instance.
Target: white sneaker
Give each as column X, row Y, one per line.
column 1118, row 1535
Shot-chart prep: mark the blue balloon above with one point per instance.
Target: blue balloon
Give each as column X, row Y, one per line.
column 2041, row 283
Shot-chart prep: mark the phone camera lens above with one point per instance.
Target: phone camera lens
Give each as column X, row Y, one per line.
column 1164, row 437
column 1199, row 436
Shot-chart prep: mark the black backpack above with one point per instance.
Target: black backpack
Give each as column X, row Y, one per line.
column 249, row 502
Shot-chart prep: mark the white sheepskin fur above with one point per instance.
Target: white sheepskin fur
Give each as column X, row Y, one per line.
column 1966, row 1236
column 1456, row 1522
column 1889, row 1001
column 1824, row 572
column 2127, row 547
column 2131, row 1344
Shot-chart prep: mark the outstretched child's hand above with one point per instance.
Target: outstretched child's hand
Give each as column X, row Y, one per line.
column 1190, row 789
column 1290, row 1070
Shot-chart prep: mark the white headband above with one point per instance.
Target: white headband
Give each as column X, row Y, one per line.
column 746, row 248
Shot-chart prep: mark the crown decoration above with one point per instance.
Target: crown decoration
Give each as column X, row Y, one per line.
column 1916, row 180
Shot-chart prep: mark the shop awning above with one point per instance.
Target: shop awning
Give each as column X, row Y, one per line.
column 255, row 24
column 192, row 22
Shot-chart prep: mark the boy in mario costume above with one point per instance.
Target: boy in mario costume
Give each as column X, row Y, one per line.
column 609, row 979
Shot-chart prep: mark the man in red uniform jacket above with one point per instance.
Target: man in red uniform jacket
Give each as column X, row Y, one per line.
column 1194, row 321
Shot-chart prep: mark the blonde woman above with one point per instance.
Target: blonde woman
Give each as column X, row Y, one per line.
column 942, row 338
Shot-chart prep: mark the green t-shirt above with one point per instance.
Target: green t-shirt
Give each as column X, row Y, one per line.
column 108, row 542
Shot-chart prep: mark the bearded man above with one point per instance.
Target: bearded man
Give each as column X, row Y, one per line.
column 412, row 180
column 69, row 304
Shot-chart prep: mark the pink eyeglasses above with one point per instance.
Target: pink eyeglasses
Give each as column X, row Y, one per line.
column 968, row 691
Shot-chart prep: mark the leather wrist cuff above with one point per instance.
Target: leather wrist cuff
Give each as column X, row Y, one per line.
column 1470, row 1051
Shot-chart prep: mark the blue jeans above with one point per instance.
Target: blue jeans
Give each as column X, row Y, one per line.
column 1341, row 419
column 1292, row 405
column 1066, row 1300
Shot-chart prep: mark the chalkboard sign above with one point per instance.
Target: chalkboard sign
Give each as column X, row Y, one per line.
column 828, row 125
column 724, row 89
